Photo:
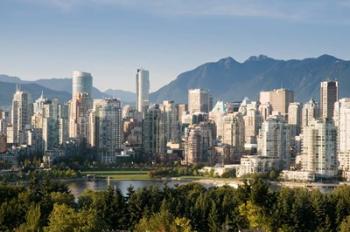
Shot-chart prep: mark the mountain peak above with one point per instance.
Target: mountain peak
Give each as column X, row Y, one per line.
column 227, row 61
column 259, row 58
column 327, row 57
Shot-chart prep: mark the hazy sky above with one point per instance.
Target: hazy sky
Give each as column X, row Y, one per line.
column 112, row 38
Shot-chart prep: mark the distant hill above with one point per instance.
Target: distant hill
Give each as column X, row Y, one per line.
column 55, row 87
column 126, row 96
column 8, row 89
column 226, row 79
column 65, row 84
column 230, row 80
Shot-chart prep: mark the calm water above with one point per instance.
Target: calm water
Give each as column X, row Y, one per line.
column 78, row 186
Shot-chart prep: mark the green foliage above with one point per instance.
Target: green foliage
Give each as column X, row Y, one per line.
column 163, row 221
column 32, row 223
column 49, row 206
column 174, row 171
column 65, row 219
column 345, row 225
column 229, row 174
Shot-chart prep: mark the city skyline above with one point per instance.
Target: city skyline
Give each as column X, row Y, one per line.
column 110, row 39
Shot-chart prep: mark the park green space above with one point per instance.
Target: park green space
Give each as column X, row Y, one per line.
column 120, row 174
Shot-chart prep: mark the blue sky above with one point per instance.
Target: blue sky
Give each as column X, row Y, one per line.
column 112, row 38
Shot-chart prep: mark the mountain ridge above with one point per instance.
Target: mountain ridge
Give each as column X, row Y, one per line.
column 231, row 80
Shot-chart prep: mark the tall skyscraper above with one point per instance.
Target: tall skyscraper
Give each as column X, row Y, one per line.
column 198, row 101
column 142, row 90
column 309, row 113
column 342, row 123
column 80, row 105
column 181, row 111
column 20, row 117
column 79, row 108
column 252, row 122
column 82, row 83
column 216, row 115
column 294, row 117
column 319, row 148
column 278, row 98
column 274, row 139
column 105, row 128
column 328, row 96
column 171, row 124
column 233, row 131
column 198, row 139
column 153, row 128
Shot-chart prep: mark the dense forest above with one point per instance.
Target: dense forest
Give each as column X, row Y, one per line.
column 44, row 205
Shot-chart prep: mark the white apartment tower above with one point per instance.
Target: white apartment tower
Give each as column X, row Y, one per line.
column 233, row 131
column 342, row 123
column 80, row 105
column 20, row 117
column 252, row 122
column 319, row 148
column 294, row 117
column 274, row 139
column 142, row 90
column 105, row 128
column 309, row 113
column 81, row 83
column 171, row 123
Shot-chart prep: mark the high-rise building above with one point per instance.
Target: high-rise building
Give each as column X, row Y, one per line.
column 233, row 131
column 49, row 133
column 3, row 144
column 181, row 111
column 63, row 123
column 309, row 113
column 328, row 96
column 294, row 117
column 278, row 98
column 252, row 122
column 79, row 108
column 198, row 140
column 20, row 117
column 105, row 128
column 216, row 115
column 265, row 110
column 274, row 139
column 80, row 105
column 319, row 148
column 153, row 136
column 198, row 101
column 44, row 134
column 3, row 122
column 82, row 83
column 142, row 90
column 342, row 123
column 171, row 124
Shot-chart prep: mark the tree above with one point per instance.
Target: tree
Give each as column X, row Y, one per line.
column 345, row 225
column 213, row 218
column 255, row 216
column 163, row 222
column 32, row 223
column 65, row 219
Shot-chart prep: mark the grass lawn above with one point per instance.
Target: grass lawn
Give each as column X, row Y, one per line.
column 120, row 174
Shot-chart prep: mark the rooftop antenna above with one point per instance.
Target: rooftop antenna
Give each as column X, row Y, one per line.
column 18, row 87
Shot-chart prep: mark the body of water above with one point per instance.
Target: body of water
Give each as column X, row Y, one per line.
column 78, row 186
